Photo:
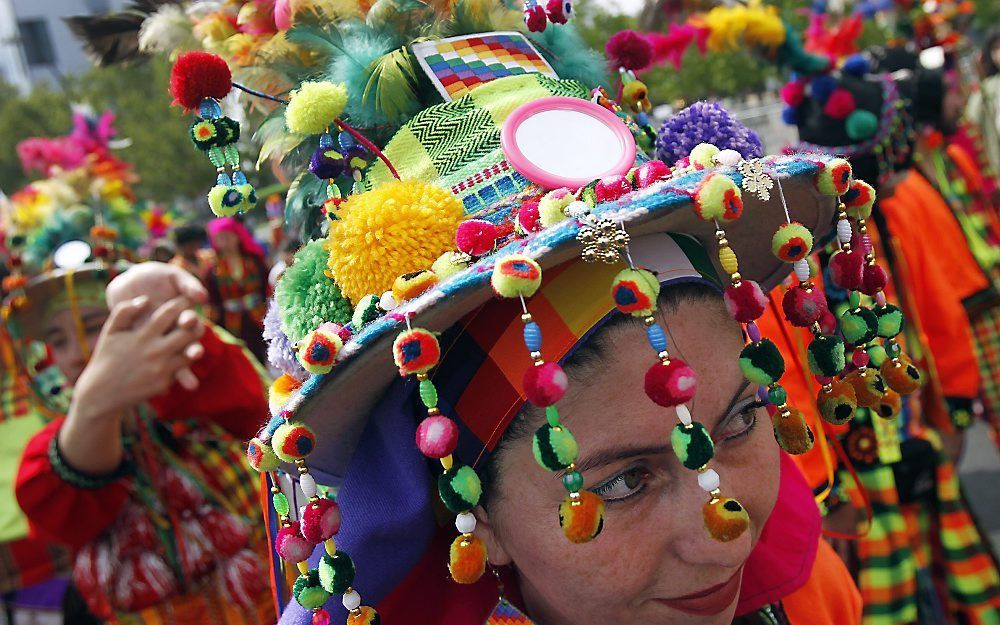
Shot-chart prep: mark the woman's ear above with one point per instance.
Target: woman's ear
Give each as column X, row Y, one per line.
column 486, row 530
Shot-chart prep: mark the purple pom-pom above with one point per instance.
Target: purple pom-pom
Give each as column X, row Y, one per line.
column 856, row 65
column 280, row 352
column 705, row 122
column 821, row 87
column 790, row 115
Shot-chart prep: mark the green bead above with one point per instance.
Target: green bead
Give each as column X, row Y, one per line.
column 573, row 481
column 232, row 156
column 216, row 157
column 280, row 504
column 552, row 415
column 460, row 488
column 854, row 299
column 777, row 395
column 336, row 572
column 877, row 355
column 761, row 363
column 692, row 445
column 428, row 394
column 309, row 592
column 892, row 349
column 554, row 447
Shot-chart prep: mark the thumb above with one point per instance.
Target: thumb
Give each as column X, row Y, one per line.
column 124, row 315
column 189, row 286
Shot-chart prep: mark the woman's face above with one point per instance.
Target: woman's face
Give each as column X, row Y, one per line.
column 654, row 563
column 62, row 336
column 227, row 243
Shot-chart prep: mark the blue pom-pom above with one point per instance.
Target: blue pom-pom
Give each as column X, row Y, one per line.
column 856, row 65
column 532, row 337
column 657, row 338
column 790, row 115
column 821, row 87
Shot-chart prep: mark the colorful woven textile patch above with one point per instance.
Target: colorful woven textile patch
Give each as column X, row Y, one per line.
column 457, row 65
column 506, row 614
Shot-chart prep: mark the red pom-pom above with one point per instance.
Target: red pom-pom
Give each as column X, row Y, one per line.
column 528, row 219
column 840, row 104
column 746, row 301
column 546, row 384
column 320, row 520
column 847, row 270
column 671, row 385
column 648, row 173
column 793, row 93
column 198, row 75
column 534, row 18
column 611, row 188
column 828, row 322
column 630, row 50
column 558, row 11
column 476, row 237
column 874, row 280
column 225, row 532
column 804, row 308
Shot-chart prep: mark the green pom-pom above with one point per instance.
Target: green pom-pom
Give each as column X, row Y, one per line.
column 588, row 194
column 827, row 355
column 516, row 275
column 703, row 155
column 336, row 572
column 858, row 325
column 877, row 354
column 203, row 134
column 634, row 292
column 791, row 242
column 692, row 445
column 761, row 363
column 313, row 107
column 460, row 488
column 718, row 198
column 861, row 125
column 309, row 592
column 834, row 178
column 554, row 447
column 890, row 321
column 221, row 201
column 449, row 263
column 307, row 297
column 366, row 311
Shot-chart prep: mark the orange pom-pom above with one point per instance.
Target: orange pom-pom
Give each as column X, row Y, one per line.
column 901, row 376
column 725, row 519
column 581, row 517
column 467, row 559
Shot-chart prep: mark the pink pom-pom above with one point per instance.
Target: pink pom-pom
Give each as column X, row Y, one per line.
column 528, row 219
column 648, row 173
column 545, row 384
column 611, row 188
column 558, row 11
column 804, row 308
column 746, row 301
column 290, row 544
column 476, row 237
column 320, row 520
column 672, row 384
column 283, row 14
column 534, row 18
column 437, row 436
column 840, row 104
column 793, row 93
column 630, row 50
column 322, row 617
column 874, row 280
column 847, row 270
column 198, row 75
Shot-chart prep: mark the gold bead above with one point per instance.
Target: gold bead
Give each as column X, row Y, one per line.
column 526, row 318
column 649, row 321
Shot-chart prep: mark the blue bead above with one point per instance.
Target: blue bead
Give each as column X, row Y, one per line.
column 657, row 338
column 533, row 336
column 239, row 178
column 325, row 141
column 223, row 179
column 642, row 118
column 346, row 140
column 209, row 109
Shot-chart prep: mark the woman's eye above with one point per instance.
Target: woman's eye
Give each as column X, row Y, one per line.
column 628, row 483
column 742, row 420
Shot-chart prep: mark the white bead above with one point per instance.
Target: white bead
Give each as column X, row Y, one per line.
column 683, row 414
column 577, row 209
column 387, row 302
column 465, row 523
column 729, row 157
column 844, row 231
column 802, row 271
column 708, row 480
column 352, row 600
column 308, row 485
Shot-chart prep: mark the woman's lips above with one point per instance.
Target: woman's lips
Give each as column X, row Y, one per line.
column 709, row 601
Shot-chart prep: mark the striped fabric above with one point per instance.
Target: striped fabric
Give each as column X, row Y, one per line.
column 986, row 340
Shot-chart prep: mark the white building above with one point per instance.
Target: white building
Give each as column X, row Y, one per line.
column 36, row 45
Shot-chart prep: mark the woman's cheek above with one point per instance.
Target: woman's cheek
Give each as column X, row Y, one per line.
column 753, row 471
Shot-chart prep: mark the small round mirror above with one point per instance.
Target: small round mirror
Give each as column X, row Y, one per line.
column 71, row 254
column 566, row 142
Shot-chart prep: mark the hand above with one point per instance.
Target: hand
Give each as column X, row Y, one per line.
column 159, row 282
column 134, row 361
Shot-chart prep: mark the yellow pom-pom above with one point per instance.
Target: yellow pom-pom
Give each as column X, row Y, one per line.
column 552, row 206
column 397, row 228
column 703, row 155
column 313, row 107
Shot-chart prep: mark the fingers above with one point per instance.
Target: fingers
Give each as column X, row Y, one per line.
column 189, row 320
column 166, row 316
column 187, row 379
column 178, row 340
column 124, row 315
column 188, row 286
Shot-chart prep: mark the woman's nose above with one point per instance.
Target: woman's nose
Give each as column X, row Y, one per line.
column 695, row 545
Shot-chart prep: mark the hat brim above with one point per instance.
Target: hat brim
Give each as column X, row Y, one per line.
column 337, row 404
column 29, row 317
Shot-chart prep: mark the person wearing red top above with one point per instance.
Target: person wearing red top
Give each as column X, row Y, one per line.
column 144, row 476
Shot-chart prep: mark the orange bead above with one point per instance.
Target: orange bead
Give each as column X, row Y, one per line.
column 725, row 519
column 467, row 559
column 582, row 517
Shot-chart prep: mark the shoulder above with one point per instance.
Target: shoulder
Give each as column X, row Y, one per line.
column 830, row 597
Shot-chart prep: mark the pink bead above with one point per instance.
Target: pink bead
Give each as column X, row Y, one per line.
column 847, row 269
column 860, row 358
column 823, row 380
column 546, row 384
column 803, row 308
column 611, row 188
column 437, row 436
column 290, row 544
column 745, row 302
column 476, row 237
column 671, row 385
column 320, row 520
column 321, row 617
column 874, row 280
column 880, row 298
column 650, row 172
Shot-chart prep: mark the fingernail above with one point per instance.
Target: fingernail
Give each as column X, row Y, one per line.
column 139, row 301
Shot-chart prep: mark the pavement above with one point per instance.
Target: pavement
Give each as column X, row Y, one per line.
column 979, row 473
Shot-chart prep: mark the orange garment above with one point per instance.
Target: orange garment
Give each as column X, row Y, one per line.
column 830, row 597
column 941, row 272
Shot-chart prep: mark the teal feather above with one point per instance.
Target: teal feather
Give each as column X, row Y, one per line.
column 570, row 57
column 303, row 202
